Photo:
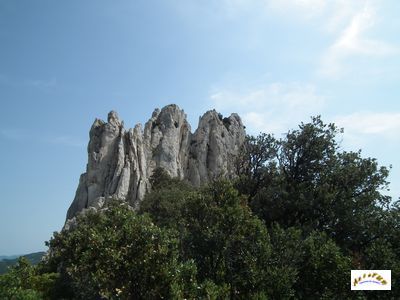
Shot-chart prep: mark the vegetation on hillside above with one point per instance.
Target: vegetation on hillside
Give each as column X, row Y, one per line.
column 33, row 258
column 299, row 216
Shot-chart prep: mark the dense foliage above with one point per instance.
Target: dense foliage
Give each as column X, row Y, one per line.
column 119, row 254
column 299, row 216
column 305, row 181
column 24, row 281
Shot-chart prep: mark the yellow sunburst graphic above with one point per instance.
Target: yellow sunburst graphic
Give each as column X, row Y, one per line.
column 370, row 277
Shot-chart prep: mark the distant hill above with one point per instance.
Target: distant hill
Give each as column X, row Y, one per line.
column 3, row 257
column 8, row 261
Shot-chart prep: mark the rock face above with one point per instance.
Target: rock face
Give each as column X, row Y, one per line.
column 120, row 161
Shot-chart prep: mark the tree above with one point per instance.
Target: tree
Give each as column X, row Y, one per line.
column 217, row 230
column 229, row 245
column 164, row 202
column 116, row 253
column 24, row 282
column 286, row 257
column 324, row 272
column 383, row 252
column 335, row 198
column 255, row 164
column 315, row 186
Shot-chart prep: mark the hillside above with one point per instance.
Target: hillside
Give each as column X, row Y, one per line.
column 3, row 257
column 34, row 258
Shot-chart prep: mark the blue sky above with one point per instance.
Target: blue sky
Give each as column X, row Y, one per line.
column 275, row 62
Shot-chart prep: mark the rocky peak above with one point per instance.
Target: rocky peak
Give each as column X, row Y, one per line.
column 113, row 119
column 121, row 162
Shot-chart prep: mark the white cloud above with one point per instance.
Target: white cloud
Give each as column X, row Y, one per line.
column 340, row 13
column 377, row 134
column 359, row 124
column 273, row 108
column 331, row 12
column 304, row 9
column 354, row 41
column 298, row 10
column 347, row 23
column 278, row 107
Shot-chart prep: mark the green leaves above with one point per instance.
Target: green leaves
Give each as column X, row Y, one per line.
column 308, row 183
column 119, row 254
column 24, row 281
column 314, row 186
column 218, row 232
column 324, row 271
column 229, row 245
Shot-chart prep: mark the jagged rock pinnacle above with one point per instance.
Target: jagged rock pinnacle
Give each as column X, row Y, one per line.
column 121, row 161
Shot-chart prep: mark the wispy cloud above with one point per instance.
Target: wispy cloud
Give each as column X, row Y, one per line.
column 329, row 12
column 339, row 14
column 377, row 134
column 271, row 108
column 278, row 107
column 298, row 10
column 354, row 41
column 348, row 25
column 361, row 124
column 303, row 9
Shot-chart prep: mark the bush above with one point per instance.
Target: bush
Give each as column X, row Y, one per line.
column 116, row 253
column 24, row 282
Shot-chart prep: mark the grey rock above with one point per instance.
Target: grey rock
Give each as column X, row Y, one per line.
column 120, row 162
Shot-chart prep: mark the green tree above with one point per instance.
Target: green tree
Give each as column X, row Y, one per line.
column 25, row 282
column 160, row 178
column 217, row 230
column 229, row 245
column 315, row 186
column 383, row 253
column 324, row 272
column 256, row 164
column 335, row 198
column 286, row 258
column 164, row 202
column 117, row 254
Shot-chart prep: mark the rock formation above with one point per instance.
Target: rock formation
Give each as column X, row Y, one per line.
column 120, row 161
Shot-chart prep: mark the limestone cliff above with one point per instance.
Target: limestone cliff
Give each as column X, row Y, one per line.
column 120, row 161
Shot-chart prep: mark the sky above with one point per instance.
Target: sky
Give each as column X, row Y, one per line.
column 274, row 62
